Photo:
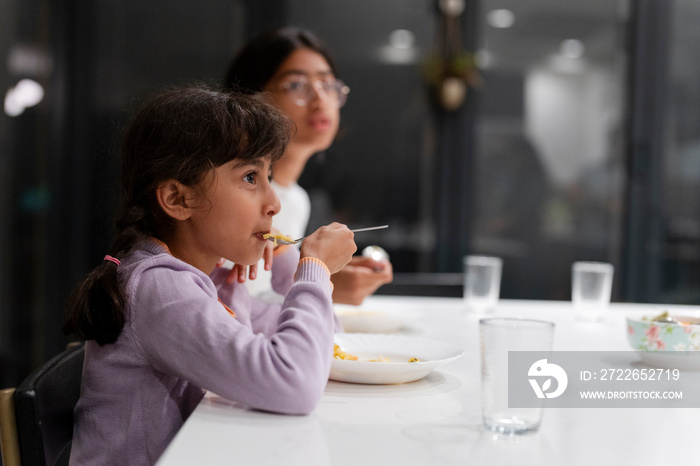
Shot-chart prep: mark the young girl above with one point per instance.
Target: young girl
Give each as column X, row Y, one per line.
column 161, row 323
column 295, row 69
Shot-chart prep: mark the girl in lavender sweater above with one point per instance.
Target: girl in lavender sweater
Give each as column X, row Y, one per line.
column 161, row 323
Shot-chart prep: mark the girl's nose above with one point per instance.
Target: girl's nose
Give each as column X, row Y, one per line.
column 318, row 92
column 273, row 205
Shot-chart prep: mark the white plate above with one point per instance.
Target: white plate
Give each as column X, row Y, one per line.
column 671, row 360
column 398, row 348
column 361, row 319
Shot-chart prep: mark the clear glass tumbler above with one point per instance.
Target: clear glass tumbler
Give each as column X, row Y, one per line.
column 482, row 282
column 591, row 287
column 498, row 336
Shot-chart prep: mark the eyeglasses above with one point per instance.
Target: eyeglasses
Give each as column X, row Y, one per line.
column 301, row 91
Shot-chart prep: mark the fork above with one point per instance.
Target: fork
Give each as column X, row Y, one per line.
column 281, row 241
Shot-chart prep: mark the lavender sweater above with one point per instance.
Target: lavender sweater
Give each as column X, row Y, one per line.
column 179, row 340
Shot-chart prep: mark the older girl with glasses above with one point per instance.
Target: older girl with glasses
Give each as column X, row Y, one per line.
column 295, row 70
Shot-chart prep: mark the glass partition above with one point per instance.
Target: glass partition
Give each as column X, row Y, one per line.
column 681, row 161
column 550, row 159
column 545, row 174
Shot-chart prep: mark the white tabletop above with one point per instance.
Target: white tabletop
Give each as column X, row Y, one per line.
column 437, row 420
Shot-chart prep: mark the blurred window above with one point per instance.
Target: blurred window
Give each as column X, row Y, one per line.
column 681, row 162
column 549, row 171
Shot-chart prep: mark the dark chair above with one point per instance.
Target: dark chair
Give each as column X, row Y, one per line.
column 44, row 404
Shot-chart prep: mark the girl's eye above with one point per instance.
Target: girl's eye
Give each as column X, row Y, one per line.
column 250, row 177
column 295, row 86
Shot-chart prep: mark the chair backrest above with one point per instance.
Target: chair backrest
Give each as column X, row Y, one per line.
column 8, row 429
column 44, row 404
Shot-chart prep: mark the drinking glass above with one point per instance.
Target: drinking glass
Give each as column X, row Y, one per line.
column 482, row 282
column 498, row 336
column 591, row 286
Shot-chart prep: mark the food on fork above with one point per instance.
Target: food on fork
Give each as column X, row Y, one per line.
column 278, row 236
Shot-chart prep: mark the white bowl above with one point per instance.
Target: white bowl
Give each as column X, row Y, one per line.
column 361, row 319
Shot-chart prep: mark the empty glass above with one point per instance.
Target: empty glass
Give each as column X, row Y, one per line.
column 591, row 287
column 482, row 282
column 498, row 336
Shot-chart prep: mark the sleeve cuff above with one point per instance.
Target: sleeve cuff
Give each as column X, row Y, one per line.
column 312, row 269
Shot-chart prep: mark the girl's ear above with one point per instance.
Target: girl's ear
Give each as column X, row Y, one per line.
column 175, row 199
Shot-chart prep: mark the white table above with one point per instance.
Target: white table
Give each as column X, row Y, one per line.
column 437, row 420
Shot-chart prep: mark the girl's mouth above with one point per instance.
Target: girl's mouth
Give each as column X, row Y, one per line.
column 319, row 122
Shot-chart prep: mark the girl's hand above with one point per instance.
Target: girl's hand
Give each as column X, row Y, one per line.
column 333, row 244
column 239, row 272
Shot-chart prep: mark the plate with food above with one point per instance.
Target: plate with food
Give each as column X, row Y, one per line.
column 373, row 318
column 387, row 359
column 667, row 340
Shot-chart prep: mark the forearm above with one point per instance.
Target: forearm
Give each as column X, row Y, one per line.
column 284, row 265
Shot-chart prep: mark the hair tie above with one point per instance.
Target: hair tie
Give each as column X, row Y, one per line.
column 112, row 259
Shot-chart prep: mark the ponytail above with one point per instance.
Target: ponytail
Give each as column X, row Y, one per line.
column 96, row 309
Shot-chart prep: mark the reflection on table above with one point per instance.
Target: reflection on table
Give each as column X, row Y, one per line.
column 437, row 420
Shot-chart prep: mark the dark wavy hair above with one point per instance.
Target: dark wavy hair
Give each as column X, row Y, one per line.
column 182, row 134
column 253, row 67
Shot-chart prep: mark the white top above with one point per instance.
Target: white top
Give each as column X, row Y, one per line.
column 292, row 221
column 293, row 218
column 437, row 420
